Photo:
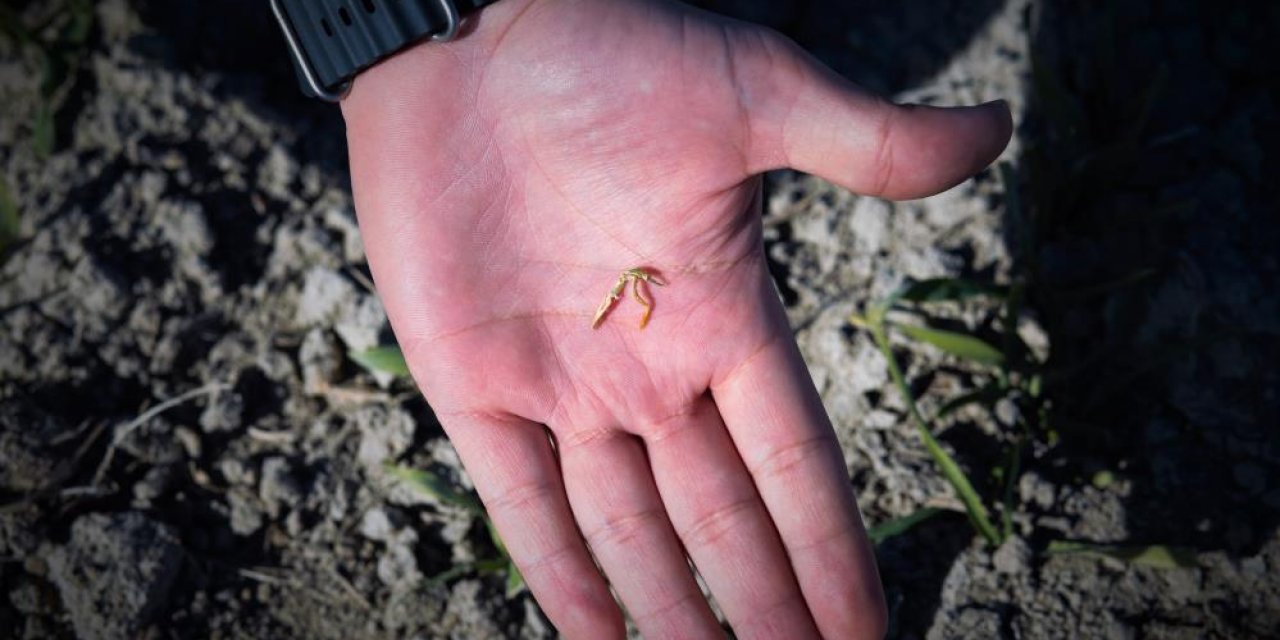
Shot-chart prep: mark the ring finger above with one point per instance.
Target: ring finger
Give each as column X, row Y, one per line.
column 725, row 527
column 613, row 496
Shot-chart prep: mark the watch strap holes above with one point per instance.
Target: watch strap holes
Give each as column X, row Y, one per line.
column 368, row 6
column 328, row 29
column 345, row 15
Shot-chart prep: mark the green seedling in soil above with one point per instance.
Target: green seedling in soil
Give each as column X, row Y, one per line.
column 59, row 41
column 1008, row 361
column 875, row 321
column 385, row 359
column 899, row 526
column 10, row 224
column 1157, row 556
column 448, row 493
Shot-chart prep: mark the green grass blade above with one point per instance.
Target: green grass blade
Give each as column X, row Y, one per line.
column 1013, row 469
column 950, row 470
column 495, row 538
column 44, row 135
column 386, row 359
column 493, row 565
column 452, row 573
column 433, row 485
column 949, row 290
column 899, row 526
column 983, row 395
column 961, row 345
column 1158, row 556
column 10, row 224
column 515, row 581
column 78, row 28
column 489, row 566
column 964, row 489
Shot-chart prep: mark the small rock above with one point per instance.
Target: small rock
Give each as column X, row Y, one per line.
column 246, row 515
column 234, row 471
column 293, row 523
column 151, row 442
column 1254, row 567
column 343, row 221
column 223, row 412
column 1036, row 490
column 376, row 525
column 185, row 226
column 1007, row 412
column 152, row 485
column 115, row 573
column 385, row 433
column 325, row 294
column 279, row 489
column 277, row 173
column 870, row 220
column 1013, row 557
column 398, row 566
column 319, row 359
column 360, row 325
column 190, row 441
column 971, row 622
column 100, row 291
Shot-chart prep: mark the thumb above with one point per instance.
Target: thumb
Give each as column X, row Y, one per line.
column 804, row 116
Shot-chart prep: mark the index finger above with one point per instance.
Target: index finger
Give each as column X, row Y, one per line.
column 778, row 424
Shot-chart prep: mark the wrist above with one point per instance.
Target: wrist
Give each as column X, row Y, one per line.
column 332, row 41
column 428, row 72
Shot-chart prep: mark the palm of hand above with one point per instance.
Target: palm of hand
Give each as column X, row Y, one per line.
column 511, row 180
column 599, row 159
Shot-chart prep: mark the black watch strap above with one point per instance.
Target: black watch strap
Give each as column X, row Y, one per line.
column 333, row 40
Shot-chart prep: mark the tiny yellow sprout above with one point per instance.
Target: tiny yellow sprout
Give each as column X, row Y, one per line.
column 633, row 276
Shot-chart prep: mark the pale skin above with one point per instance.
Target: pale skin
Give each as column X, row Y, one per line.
column 503, row 181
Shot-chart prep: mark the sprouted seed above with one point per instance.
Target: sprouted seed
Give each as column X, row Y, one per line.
column 633, row 276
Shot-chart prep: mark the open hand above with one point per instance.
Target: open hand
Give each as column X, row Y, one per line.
column 505, row 180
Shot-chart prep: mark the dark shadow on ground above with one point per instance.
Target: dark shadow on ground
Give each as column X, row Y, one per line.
column 240, row 41
column 913, row 567
column 1149, row 240
column 886, row 47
